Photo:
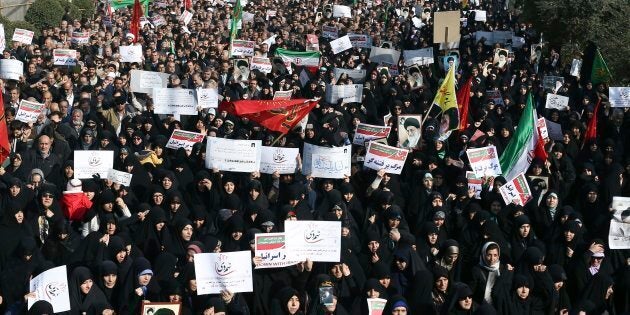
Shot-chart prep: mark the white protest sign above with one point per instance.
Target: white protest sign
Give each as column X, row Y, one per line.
column 186, row 17
column 340, row 44
column 29, row 111
column 262, row 64
column 119, row 177
column 349, row 93
column 23, row 36
column 619, row 231
column 80, row 38
column 495, row 96
column 184, row 139
column 315, row 240
column 51, row 286
column 341, row 11
column 242, row 48
column 326, row 162
column 216, row 272
column 282, row 95
column 376, row 306
column 233, row 155
column 64, row 57
column 480, row 15
column 557, row 101
column 272, row 249
column 11, row 69
column 360, row 40
column 329, row 32
column 248, row 17
column 3, row 41
column 174, row 101
column 208, row 98
column 312, row 42
column 146, row 81
column 365, row 133
column 420, row 57
column 384, row 55
column 357, row 75
column 516, row 190
column 158, row 20
column 91, row 162
column 576, row 65
column 474, row 183
column 383, row 157
column 542, row 128
column 619, row 96
column 282, row 160
column 484, row 161
column 270, row 41
column 270, row 14
column 130, row 53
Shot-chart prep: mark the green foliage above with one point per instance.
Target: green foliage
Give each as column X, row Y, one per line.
column 10, row 26
column 45, row 13
column 73, row 10
column 570, row 24
column 86, row 7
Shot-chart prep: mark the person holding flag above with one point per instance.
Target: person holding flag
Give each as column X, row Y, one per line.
column 446, row 99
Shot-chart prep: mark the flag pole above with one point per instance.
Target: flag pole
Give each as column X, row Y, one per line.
column 277, row 139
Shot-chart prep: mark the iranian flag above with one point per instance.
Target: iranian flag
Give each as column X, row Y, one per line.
column 524, row 145
column 306, row 59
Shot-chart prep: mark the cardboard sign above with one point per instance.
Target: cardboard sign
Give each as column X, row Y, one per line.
column 366, row 133
column 383, row 157
column 516, row 190
column 119, row 177
column 146, row 81
column 484, row 161
column 11, row 69
column 315, row 240
column 340, row 44
column 184, row 139
column 619, row 96
column 90, row 162
column 281, row 160
column 23, row 36
column 223, row 271
column 233, row 155
column 29, row 111
column 64, row 57
column 173, row 101
column 242, row 48
column 446, row 27
column 130, row 53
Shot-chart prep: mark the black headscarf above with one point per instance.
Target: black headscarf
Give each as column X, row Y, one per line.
column 80, row 302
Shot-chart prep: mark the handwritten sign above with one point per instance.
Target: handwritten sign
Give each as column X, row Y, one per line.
column 242, row 48
column 383, row 157
column 316, row 240
column 366, row 133
column 233, row 155
column 64, row 57
column 146, row 81
column 281, row 160
column 272, row 249
column 11, row 69
column 119, row 177
column 29, row 111
column 23, row 36
column 516, row 190
column 262, row 64
column 557, row 101
column 484, row 161
column 619, row 96
column 174, row 101
column 223, row 271
column 208, row 98
column 326, row 162
column 90, row 162
column 184, row 139
column 340, row 44
column 51, row 286
column 130, row 53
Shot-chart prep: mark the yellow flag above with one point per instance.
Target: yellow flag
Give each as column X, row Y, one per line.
column 446, row 99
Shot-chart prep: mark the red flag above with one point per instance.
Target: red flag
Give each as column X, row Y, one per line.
column 5, row 147
column 135, row 20
column 276, row 115
column 463, row 99
column 187, row 4
column 591, row 129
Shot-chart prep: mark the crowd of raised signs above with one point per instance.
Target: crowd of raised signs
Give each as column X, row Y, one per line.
column 426, row 234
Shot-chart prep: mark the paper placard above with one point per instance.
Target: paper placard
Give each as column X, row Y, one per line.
column 480, row 15
column 619, row 96
column 557, row 101
column 341, row 11
column 242, row 48
column 357, row 75
column 272, row 249
column 11, row 69
column 184, row 139
column 474, row 183
column 550, row 82
column 619, row 231
column 484, row 161
column 157, row 20
column 576, row 65
column 173, row 101
column 29, row 111
column 315, row 240
column 376, row 306
column 223, row 271
column 186, row 17
column 326, row 162
column 384, row 55
column 119, row 177
column 51, row 286
column 420, row 57
column 312, row 42
column 409, row 131
column 360, row 40
column 340, row 44
column 3, row 40
column 516, row 190
column 281, row 160
column 349, row 93
column 64, row 57
column 146, row 81
column 130, row 53
column 262, row 64
column 80, row 38
column 282, row 95
column 383, row 157
column 366, row 133
column 208, row 98
column 542, row 128
column 329, row 32
column 90, row 162
column 233, row 155
column 23, row 36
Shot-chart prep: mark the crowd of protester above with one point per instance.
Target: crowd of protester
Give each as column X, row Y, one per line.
column 421, row 239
